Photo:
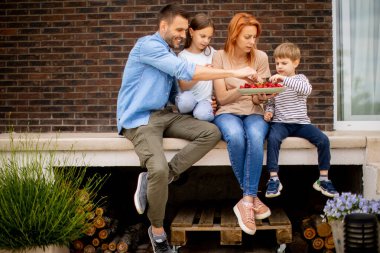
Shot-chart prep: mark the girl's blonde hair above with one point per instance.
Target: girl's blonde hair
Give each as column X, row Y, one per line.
column 236, row 25
column 287, row 50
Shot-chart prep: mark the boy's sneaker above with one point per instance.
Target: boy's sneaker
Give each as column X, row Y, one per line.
column 261, row 210
column 246, row 217
column 326, row 187
column 159, row 243
column 140, row 197
column 274, row 188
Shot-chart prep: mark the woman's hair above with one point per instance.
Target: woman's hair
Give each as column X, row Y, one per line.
column 236, row 25
column 199, row 22
column 287, row 50
column 168, row 12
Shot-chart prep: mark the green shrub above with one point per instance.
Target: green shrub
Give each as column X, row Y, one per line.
column 43, row 201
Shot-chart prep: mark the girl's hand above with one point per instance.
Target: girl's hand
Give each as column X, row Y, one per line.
column 214, row 105
column 276, row 78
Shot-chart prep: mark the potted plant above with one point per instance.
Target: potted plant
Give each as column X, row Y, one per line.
column 44, row 202
column 346, row 203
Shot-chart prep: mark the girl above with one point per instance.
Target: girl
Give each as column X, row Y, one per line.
column 195, row 96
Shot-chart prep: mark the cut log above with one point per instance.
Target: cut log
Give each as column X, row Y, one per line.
column 104, row 246
column 100, row 211
column 329, row 242
column 90, row 215
column 90, row 231
column 322, row 227
column 131, row 237
column 78, row 245
column 106, row 233
column 318, row 243
column 95, row 241
column 101, row 221
column 89, row 249
column 307, row 228
column 113, row 244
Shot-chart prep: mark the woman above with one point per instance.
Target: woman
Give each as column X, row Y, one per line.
column 240, row 117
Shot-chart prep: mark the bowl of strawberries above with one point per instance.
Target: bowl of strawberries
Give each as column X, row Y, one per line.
column 261, row 88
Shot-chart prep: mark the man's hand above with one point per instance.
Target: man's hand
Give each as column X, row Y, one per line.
column 248, row 74
column 268, row 116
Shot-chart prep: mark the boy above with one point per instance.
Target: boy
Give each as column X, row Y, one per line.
column 288, row 112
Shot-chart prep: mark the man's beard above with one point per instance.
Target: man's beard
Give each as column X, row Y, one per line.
column 170, row 40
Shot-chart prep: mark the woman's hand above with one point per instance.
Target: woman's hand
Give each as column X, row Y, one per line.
column 264, row 97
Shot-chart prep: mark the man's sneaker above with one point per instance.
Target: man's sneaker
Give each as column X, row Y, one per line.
column 261, row 210
column 274, row 188
column 246, row 217
column 140, row 196
column 326, row 187
column 159, row 243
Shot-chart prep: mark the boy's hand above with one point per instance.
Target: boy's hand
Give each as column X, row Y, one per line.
column 268, row 116
column 276, row 78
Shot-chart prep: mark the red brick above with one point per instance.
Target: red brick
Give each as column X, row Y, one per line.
column 64, row 59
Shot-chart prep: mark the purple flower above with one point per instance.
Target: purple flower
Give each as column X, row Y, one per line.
column 347, row 203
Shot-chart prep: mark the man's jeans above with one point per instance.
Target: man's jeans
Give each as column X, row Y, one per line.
column 245, row 136
column 279, row 131
column 148, row 140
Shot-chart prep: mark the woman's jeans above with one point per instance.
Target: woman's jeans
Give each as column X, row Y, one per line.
column 245, row 136
column 279, row 131
column 186, row 103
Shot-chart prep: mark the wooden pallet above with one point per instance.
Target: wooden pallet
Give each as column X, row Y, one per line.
column 224, row 221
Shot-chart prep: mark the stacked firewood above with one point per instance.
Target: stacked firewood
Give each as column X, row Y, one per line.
column 105, row 236
column 318, row 234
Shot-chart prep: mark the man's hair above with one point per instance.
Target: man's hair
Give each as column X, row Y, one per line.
column 168, row 12
column 287, row 50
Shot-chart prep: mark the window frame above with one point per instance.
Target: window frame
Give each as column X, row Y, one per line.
column 342, row 124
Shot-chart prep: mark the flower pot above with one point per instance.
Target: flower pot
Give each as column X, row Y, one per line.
column 337, row 228
column 49, row 249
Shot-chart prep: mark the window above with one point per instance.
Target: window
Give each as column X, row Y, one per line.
column 357, row 64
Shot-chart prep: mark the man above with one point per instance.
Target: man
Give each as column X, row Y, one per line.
column 149, row 75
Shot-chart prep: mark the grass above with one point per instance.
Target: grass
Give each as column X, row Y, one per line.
column 43, row 201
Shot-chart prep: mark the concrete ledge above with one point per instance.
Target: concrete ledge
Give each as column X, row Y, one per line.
column 110, row 149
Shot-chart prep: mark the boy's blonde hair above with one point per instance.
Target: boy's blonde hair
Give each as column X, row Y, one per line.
column 287, row 50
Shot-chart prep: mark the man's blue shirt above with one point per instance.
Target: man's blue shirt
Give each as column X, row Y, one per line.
column 151, row 70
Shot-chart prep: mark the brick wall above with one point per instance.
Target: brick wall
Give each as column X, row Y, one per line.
column 61, row 62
